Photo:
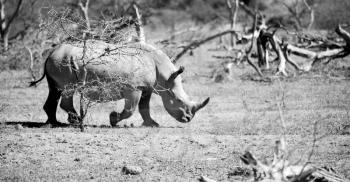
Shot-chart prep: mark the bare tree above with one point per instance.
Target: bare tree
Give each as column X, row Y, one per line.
column 6, row 21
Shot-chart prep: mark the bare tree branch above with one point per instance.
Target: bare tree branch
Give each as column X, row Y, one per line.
column 343, row 34
column 247, row 9
column 198, row 43
column 84, row 7
column 139, row 30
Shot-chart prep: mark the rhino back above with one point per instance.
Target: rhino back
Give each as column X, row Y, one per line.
column 127, row 64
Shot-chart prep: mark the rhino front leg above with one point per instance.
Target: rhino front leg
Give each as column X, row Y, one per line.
column 144, row 110
column 132, row 98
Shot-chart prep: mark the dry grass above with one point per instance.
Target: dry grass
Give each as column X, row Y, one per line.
column 240, row 115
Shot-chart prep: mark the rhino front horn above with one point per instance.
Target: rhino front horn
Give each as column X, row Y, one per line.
column 201, row 105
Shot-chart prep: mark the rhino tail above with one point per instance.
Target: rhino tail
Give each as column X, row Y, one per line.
column 34, row 83
column 46, row 53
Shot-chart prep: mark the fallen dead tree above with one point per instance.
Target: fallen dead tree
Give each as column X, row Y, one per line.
column 284, row 51
column 281, row 169
column 284, row 167
column 268, row 43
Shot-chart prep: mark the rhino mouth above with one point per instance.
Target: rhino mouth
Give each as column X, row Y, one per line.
column 186, row 112
column 187, row 115
column 186, row 119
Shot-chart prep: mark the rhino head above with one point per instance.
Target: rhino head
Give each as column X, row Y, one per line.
column 175, row 99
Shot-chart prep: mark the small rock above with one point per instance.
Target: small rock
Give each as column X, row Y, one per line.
column 18, row 127
column 76, row 159
column 133, row 170
column 212, row 159
column 206, row 179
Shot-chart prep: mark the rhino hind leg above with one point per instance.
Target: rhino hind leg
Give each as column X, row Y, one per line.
column 144, row 110
column 67, row 105
column 50, row 106
column 132, row 98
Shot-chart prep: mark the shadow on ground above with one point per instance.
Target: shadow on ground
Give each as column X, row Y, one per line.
column 30, row 124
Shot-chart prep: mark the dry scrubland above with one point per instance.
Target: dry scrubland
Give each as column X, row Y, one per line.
column 241, row 115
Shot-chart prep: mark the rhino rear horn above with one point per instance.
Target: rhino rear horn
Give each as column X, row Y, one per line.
column 200, row 105
column 175, row 74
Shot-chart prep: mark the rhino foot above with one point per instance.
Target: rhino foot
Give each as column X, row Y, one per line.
column 150, row 123
column 114, row 118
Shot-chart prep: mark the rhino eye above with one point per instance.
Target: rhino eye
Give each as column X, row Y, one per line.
column 177, row 99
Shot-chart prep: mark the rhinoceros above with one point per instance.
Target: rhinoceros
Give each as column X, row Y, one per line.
column 143, row 68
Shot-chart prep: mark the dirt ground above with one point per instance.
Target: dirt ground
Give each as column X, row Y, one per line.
column 242, row 115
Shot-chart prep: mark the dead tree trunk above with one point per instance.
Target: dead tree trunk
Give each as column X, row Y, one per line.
column 83, row 105
column 6, row 23
column 233, row 17
column 261, row 44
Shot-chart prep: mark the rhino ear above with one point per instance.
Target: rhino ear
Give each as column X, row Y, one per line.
column 175, row 74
